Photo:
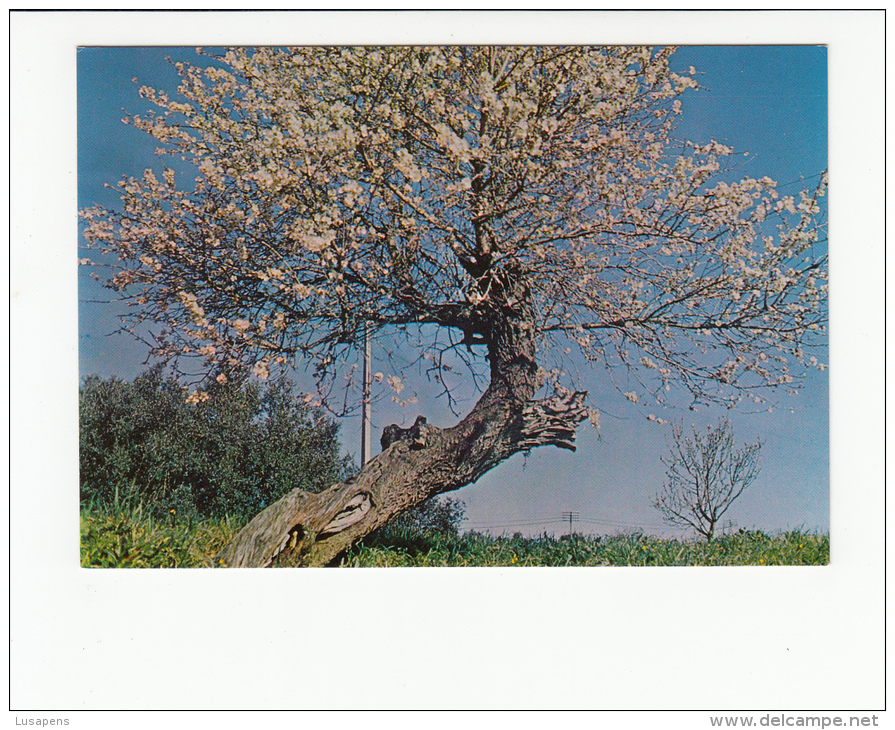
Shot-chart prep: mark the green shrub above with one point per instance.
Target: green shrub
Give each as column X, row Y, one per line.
column 145, row 444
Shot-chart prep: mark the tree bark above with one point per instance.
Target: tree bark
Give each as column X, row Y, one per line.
column 305, row 529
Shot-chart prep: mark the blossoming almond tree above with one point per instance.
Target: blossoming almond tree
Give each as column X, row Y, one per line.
column 502, row 204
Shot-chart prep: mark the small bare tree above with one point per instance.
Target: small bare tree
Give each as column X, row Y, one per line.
column 706, row 474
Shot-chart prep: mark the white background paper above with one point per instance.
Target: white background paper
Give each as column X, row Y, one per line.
column 701, row 639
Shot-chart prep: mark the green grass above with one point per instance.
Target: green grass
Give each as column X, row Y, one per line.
column 129, row 539
column 746, row 548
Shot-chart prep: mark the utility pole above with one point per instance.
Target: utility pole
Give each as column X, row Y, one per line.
column 366, row 406
column 571, row 517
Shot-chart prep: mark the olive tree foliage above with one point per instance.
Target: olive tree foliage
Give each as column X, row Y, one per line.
column 437, row 514
column 148, row 443
column 706, row 474
column 511, row 207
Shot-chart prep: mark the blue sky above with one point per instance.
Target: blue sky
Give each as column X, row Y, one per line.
column 765, row 100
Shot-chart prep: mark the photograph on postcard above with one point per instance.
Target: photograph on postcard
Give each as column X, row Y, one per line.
column 453, row 306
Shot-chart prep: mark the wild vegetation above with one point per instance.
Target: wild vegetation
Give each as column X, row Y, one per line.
column 132, row 539
column 148, row 446
column 474, row 549
column 167, row 479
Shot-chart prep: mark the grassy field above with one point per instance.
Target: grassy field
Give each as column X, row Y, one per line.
column 128, row 539
column 747, row 548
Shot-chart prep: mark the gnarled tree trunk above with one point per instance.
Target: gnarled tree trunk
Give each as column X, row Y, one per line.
column 305, row 529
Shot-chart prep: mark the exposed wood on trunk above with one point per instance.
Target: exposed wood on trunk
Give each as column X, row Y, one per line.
column 304, row 529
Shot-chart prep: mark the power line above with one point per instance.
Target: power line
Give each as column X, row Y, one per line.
column 572, row 517
column 366, row 405
column 565, row 519
column 638, row 525
column 800, row 180
column 517, row 524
